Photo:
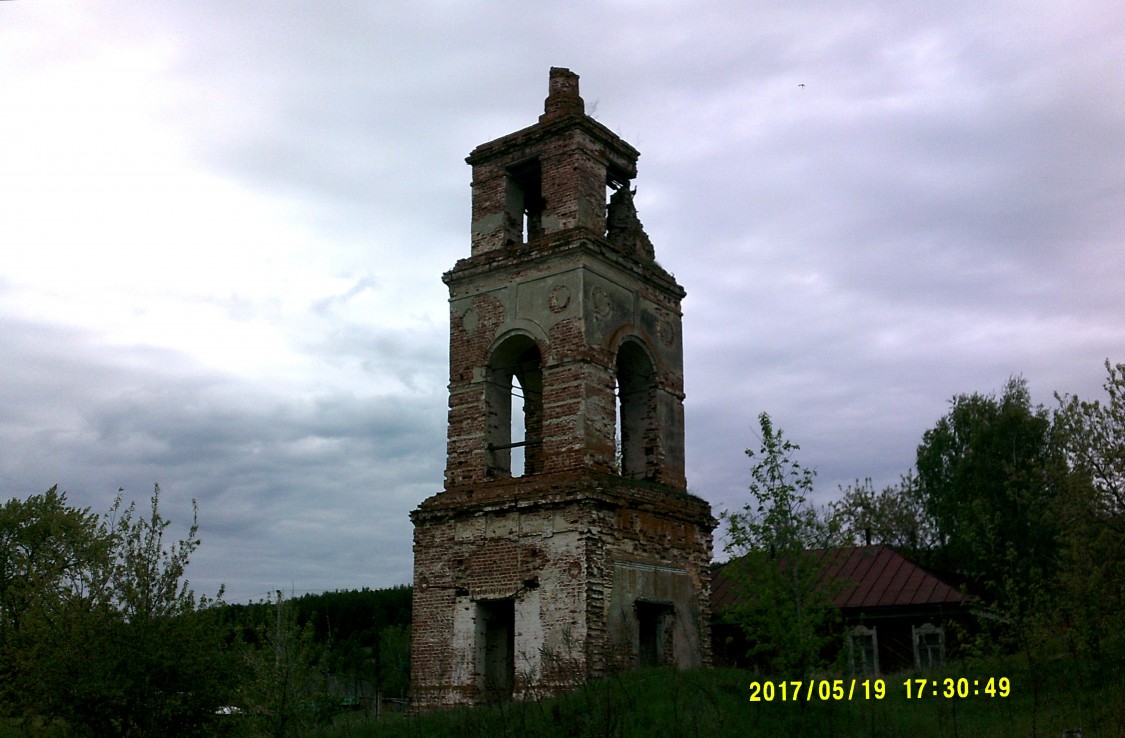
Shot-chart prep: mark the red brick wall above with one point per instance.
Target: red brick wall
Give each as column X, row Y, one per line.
column 573, row 546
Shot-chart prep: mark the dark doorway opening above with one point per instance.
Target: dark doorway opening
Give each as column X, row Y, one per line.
column 498, row 621
column 654, row 624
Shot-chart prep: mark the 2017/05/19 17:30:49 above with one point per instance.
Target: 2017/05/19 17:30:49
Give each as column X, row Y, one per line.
column 798, row 690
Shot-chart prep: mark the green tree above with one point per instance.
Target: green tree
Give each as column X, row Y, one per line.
column 283, row 682
column 50, row 554
column 896, row 516
column 786, row 607
column 1094, row 436
column 1092, row 518
column 114, row 642
column 166, row 654
column 989, row 474
column 393, row 673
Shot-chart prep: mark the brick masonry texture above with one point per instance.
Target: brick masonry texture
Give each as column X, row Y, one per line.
column 595, row 558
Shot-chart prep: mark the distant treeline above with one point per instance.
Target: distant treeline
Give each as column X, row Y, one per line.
column 356, row 615
column 361, row 637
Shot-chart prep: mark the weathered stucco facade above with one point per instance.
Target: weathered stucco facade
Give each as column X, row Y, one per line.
column 565, row 544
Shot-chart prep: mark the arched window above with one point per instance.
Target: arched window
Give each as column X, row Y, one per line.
column 638, row 433
column 524, row 202
column 514, row 381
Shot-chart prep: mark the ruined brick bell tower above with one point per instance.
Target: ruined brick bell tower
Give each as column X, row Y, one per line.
column 565, row 544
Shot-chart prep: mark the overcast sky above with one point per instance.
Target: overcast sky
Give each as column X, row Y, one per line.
column 223, row 228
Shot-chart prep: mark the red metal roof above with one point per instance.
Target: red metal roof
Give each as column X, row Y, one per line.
column 867, row 577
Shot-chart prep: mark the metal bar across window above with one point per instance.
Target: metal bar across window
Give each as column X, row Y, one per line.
column 517, row 444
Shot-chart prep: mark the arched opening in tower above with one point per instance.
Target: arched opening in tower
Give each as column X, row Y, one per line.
column 514, row 407
column 637, row 432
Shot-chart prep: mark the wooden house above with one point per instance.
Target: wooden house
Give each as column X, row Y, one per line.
column 896, row 614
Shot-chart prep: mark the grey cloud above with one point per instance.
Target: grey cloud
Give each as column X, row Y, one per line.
column 279, row 480
column 940, row 207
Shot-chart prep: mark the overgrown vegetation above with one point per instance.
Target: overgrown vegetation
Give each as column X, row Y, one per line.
column 715, row 702
column 100, row 635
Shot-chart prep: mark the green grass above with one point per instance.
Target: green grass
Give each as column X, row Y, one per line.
column 695, row 704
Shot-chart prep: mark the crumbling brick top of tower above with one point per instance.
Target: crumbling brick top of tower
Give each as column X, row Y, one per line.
column 564, row 108
column 562, row 95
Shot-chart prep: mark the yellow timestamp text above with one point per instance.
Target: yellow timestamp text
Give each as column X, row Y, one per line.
column 950, row 688
column 824, row 690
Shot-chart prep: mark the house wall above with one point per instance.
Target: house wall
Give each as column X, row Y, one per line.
column 894, row 628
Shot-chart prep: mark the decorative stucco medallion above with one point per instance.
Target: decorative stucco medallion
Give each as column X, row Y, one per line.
column 469, row 320
column 559, row 299
column 600, row 303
